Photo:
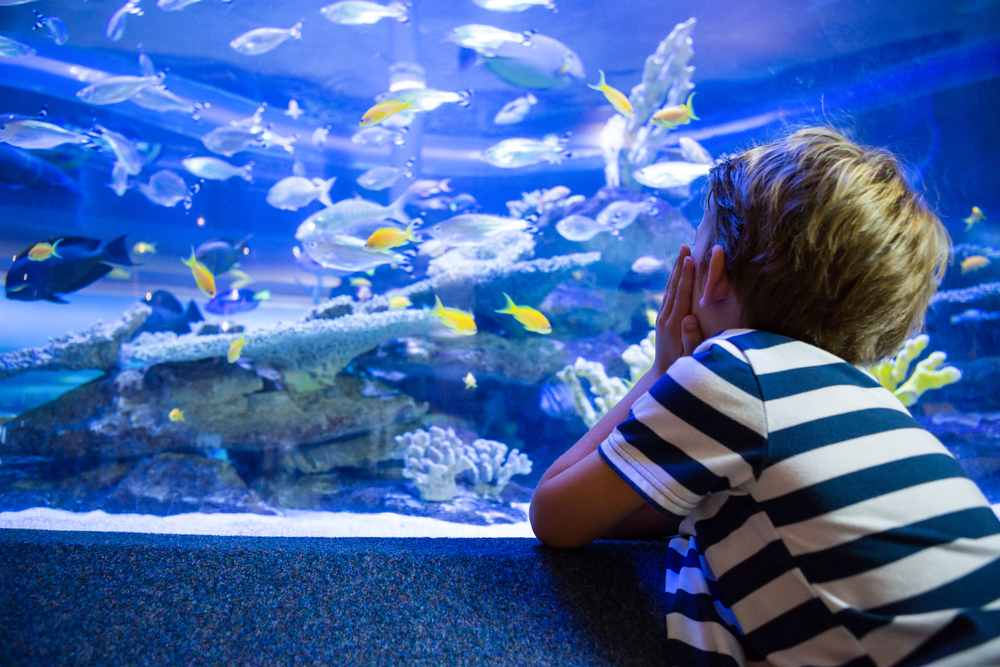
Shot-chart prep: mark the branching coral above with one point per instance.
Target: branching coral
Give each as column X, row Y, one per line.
column 927, row 375
column 640, row 357
column 493, row 466
column 432, row 460
column 608, row 391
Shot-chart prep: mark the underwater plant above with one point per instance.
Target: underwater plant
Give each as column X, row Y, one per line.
column 493, row 466
column 927, row 375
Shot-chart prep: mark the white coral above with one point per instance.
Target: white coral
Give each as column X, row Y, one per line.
column 493, row 466
column 432, row 460
column 607, row 391
column 640, row 357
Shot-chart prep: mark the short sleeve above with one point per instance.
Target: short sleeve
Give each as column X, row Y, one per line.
column 700, row 429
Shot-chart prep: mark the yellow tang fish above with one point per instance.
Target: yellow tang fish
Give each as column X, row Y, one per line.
column 236, row 349
column 974, row 263
column 358, row 282
column 671, row 117
column 386, row 238
column 457, row 320
column 42, row 251
column 383, row 110
column 202, row 276
column 143, row 248
column 529, row 317
column 615, row 96
column 977, row 216
column 470, row 381
column 399, row 302
column 176, row 415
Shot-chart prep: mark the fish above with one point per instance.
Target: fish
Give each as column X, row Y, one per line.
column 387, row 238
column 538, row 62
column 143, row 248
column 484, row 37
column 236, row 301
column 377, row 136
column 19, row 168
column 556, row 400
column 651, row 316
column 975, row 316
column 426, row 99
column 119, row 274
column 514, row 5
column 399, row 302
column 470, row 381
column 242, row 278
column 670, row 174
column 514, row 153
column 336, row 218
column 116, row 24
column 269, row 138
column 158, row 98
column 382, row 111
column 515, row 111
column 470, row 229
column 974, row 263
column 457, row 320
column 229, row 140
column 215, row 169
column 174, row 5
column 55, row 26
column 679, row 114
column 262, row 40
column 294, row 192
column 294, row 110
column 119, row 179
column 165, row 188
column 124, row 150
column 176, row 415
column 168, row 314
column 348, row 254
column 319, row 136
column 10, row 48
column 976, row 216
column 359, row 12
column 648, row 264
column 37, row 134
column 221, row 255
column 615, row 96
column 581, row 228
column 42, row 251
column 236, row 349
column 115, row 89
column 620, row 214
column 203, row 278
column 379, row 178
column 81, row 261
column 694, row 152
column 426, row 187
column 359, row 282
column 531, row 319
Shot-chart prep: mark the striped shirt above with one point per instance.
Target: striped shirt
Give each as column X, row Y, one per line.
column 821, row 524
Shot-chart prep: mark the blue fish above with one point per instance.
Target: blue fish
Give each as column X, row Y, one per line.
column 556, row 400
column 80, row 262
column 236, row 301
column 220, row 255
column 19, row 168
column 169, row 315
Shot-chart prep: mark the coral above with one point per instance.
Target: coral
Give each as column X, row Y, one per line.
column 493, row 466
column 928, row 374
column 432, row 460
column 94, row 348
column 640, row 357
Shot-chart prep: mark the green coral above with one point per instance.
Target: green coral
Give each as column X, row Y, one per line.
column 928, row 374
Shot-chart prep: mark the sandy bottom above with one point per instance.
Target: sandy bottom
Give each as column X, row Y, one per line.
column 295, row 523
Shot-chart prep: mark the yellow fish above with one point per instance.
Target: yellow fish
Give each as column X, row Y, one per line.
column 386, row 238
column 143, row 248
column 383, row 110
column 615, row 96
column 242, row 279
column 42, row 251
column 671, row 117
column 358, row 282
column 202, row 276
column 176, row 415
column 977, row 216
column 236, row 349
column 470, row 381
column 399, row 302
column 529, row 317
column 974, row 263
column 119, row 274
column 651, row 317
column 457, row 320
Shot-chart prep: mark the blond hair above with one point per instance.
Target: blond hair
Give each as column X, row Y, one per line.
column 826, row 243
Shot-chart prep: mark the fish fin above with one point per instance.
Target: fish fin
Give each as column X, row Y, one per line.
column 116, row 252
column 602, row 85
column 245, row 172
column 263, row 295
column 98, row 271
column 295, row 32
column 438, row 308
column 444, row 185
column 690, row 109
column 509, row 306
column 466, row 98
column 146, row 65
column 402, row 14
column 397, row 210
column 54, row 299
column 532, row 99
column 298, row 169
column 192, row 314
column 324, row 195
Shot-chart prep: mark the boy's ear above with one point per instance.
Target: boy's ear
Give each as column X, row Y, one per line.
column 717, row 285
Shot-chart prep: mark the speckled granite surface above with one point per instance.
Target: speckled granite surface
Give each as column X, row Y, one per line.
column 70, row 598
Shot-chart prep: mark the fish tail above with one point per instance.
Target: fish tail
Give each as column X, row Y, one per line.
column 192, row 314
column 397, row 209
column 409, row 232
column 190, row 261
column 295, row 32
column 55, row 245
column 324, row 195
column 116, row 252
column 438, row 308
column 602, row 85
column 690, row 109
column 444, row 185
column 532, row 99
column 465, row 98
column 263, row 295
column 400, row 10
column 245, row 171
column 509, row 307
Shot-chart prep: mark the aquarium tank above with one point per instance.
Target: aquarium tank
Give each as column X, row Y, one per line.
column 392, row 259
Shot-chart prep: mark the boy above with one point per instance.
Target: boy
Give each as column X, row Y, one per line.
column 819, row 524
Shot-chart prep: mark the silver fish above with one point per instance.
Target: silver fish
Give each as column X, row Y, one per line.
column 359, row 12
column 38, row 134
column 695, row 152
column 513, row 153
column 165, row 188
column 12, row 49
column 125, row 151
column 474, row 228
column 116, row 24
column 55, row 26
column 514, row 5
column 379, row 178
column 349, row 254
column 426, row 99
column 269, row 138
column 648, row 264
column 119, row 179
column 114, row 89
column 515, row 111
column 294, row 192
column 319, row 136
column 262, row 40
column 481, row 38
column 670, row 174
column 174, row 5
column 229, row 140
column 621, row 214
column 215, row 169
column 377, row 136
column 334, row 219
column 11, row 3
column 581, row 228
column 426, row 187
column 536, row 62
column 158, row 98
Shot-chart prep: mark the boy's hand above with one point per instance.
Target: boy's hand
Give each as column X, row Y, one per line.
column 677, row 331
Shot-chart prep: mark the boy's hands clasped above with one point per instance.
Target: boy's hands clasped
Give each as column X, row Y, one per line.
column 678, row 332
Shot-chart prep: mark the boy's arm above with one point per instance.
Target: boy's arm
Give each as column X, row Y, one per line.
column 580, row 498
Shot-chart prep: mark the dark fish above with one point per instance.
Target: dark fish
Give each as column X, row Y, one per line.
column 19, row 168
column 219, row 255
column 556, row 400
column 169, row 315
column 81, row 261
column 236, row 301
